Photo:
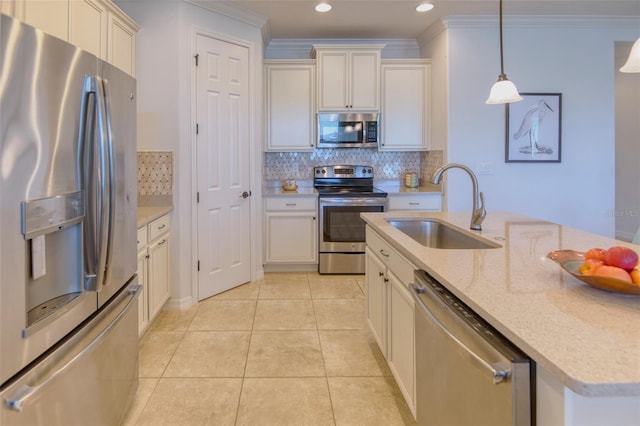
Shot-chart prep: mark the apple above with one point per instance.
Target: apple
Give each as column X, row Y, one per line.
column 622, row 257
column 635, row 276
column 613, row 272
column 590, row 266
column 595, row 253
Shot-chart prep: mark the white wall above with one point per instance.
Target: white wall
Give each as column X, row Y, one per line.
column 573, row 58
column 627, row 209
column 164, row 64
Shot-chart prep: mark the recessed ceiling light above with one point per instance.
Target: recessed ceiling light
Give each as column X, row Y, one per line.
column 424, row 7
column 323, row 7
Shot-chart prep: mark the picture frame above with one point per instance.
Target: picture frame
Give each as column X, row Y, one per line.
column 534, row 129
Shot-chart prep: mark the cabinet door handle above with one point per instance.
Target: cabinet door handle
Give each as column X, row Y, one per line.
column 162, row 242
column 414, row 204
column 291, row 204
column 380, row 274
column 384, row 253
column 161, row 226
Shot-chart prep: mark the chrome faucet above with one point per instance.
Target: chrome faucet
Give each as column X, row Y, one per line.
column 478, row 214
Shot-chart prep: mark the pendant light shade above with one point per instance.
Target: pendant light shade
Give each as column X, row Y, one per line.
column 633, row 63
column 503, row 91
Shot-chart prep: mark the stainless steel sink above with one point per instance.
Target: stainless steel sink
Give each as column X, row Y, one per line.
column 435, row 234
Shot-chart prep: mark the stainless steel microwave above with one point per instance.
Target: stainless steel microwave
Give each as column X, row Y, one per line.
column 347, row 130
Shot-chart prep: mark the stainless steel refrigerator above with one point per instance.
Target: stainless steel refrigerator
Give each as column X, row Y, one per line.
column 68, row 284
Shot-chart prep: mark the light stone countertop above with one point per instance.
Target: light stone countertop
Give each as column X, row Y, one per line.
column 391, row 187
column 147, row 214
column 588, row 338
column 278, row 191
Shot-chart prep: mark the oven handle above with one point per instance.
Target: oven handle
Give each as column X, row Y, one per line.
column 354, row 201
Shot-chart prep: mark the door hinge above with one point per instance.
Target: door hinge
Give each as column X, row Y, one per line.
column 197, row 129
column 198, row 266
column 196, row 56
column 198, row 197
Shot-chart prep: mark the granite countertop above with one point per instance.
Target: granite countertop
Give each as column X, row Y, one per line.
column 588, row 338
column 397, row 188
column 393, row 186
column 278, row 191
column 147, row 214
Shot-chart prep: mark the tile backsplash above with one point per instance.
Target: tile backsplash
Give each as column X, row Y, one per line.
column 386, row 165
column 155, row 173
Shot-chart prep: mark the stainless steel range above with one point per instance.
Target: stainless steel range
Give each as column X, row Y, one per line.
column 344, row 192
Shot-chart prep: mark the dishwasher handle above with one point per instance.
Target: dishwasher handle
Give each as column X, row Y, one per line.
column 499, row 376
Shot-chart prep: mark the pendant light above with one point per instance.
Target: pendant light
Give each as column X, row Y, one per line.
column 503, row 91
column 633, row 62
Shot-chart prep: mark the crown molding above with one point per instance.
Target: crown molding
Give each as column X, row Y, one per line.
column 233, row 11
column 540, row 21
column 306, row 45
column 521, row 21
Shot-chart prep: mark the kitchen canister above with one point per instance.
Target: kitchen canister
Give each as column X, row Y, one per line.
column 411, row 180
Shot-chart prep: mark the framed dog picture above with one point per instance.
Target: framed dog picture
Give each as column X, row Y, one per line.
column 533, row 133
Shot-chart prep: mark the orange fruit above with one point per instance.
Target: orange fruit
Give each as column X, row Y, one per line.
column 595, row 253
column 613, row 272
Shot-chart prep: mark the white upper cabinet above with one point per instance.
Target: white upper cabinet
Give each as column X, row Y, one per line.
column 88, row 26
column 348, row 77
column 406, row 110
column 290, row 105
column 121, row 46
column 97, row 26
column 50, row 16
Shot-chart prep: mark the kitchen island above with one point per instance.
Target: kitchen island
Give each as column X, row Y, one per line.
column 585, row 341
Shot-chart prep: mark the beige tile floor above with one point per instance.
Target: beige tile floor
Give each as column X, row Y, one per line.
column 292, row 349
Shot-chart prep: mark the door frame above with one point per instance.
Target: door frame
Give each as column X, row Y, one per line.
column 255, row 156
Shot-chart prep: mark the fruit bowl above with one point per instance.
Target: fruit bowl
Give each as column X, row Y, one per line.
column 571, row 260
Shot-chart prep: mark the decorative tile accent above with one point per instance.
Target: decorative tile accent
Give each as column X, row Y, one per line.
column 430, row 161
column 155, row 173
column 386, row 165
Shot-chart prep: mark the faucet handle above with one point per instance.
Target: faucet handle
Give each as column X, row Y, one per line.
column 478, row 214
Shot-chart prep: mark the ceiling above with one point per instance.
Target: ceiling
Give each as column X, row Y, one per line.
column 398, row 19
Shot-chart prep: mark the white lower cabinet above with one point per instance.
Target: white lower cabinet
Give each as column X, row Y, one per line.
column 291, row 230
column 153, row 270
column 390, row 311
column 376, row 282
column 143, row 280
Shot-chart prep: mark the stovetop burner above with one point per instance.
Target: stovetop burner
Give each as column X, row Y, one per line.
column 345, row 181
column 351, row 191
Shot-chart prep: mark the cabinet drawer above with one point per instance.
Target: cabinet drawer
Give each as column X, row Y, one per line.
column 291, row 203
column 142, row 237
column 415, row 202
column 400, row 266
column 159, row 227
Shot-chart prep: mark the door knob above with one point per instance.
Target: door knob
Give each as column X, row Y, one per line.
column 246, row 194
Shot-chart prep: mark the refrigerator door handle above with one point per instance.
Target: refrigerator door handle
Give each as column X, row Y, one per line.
column 28, row 391
column 95, row 178
column 107, row 141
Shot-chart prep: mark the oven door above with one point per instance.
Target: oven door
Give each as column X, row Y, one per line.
column 341, row 228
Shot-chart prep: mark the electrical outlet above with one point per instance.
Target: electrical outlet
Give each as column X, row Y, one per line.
column 486, row 168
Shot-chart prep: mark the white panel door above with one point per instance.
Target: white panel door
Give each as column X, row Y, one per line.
column 222, row 109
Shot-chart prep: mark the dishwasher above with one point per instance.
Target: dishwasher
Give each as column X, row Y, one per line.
column 466, row 372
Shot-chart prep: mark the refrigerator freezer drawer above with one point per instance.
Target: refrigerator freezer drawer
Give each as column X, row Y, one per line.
column 90, row 377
